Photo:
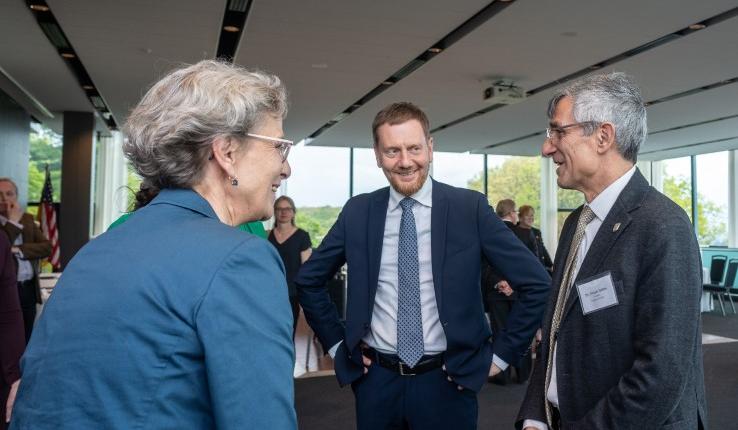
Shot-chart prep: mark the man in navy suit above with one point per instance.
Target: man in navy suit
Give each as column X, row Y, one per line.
column 415, row 345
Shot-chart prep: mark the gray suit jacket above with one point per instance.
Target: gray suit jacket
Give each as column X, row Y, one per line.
column 636, row 365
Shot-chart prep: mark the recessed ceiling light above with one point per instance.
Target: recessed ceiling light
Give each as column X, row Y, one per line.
column 387, row 83
column 67, row 55
column 231, row 29
column 39, row 7
column 435, row 50
column 697, row 26
column 88, row 87
column 595, row 67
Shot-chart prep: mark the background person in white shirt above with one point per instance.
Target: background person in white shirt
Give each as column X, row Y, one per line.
column 621, row 349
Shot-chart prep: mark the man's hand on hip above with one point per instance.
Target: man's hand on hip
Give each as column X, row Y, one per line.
column 367, row 361
column 494, row 370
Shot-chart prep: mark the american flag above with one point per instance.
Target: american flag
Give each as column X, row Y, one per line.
column 47, row 219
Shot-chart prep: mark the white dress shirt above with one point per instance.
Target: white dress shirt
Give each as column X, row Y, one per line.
column 383, row 331
column 601, row 206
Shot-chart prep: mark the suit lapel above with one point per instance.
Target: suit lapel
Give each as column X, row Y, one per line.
column 616, row 222
column 375, row 236
column 439, row 214
column 603, row 241
column 562, row 251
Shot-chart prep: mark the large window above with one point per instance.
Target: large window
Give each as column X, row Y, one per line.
column 568, row 200
column 677, row 182
column 319, row 185
column 712, row 199
column 46, row 150
column 367, row 176
column 517, row 178
column 459, row 170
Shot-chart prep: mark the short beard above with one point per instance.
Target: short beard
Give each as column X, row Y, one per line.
column 408, row 189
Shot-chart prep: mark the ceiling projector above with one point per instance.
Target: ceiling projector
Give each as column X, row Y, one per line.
column 504, row 93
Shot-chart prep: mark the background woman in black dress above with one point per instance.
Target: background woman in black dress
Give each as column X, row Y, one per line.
column 293, row 245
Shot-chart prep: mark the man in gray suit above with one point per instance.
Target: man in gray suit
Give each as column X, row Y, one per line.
column 621, row 345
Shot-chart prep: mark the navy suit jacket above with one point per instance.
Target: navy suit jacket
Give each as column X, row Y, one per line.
column 172, row 320
column 463, row 228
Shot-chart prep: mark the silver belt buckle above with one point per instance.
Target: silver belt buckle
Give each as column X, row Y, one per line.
column 402, row 372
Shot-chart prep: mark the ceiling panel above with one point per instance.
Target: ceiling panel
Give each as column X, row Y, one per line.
column 663, row 71
column 127, row 45
column 332, row 52
column 28, row 56
column 527, row 41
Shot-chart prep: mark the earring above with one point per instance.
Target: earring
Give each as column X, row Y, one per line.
column 234, row 181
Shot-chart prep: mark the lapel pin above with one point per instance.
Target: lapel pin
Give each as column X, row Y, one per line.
column 616, row 227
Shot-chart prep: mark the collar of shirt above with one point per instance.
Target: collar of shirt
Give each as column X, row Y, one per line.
column 424, row 196
column 4, row 220
column 602, row 204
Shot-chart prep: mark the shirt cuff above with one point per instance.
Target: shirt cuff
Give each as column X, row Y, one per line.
column 535, row 424
column 502, row 364
column 334, row 348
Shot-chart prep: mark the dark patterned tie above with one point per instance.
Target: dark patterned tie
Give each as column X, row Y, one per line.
column 571, row 262
column 409, row 315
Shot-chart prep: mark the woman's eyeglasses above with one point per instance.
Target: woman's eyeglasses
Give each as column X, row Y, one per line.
column 282, row 145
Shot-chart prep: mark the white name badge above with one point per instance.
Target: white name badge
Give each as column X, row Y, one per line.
column 596, row 294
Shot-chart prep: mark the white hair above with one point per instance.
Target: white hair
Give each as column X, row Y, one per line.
column 613, row 98
column 171, row 130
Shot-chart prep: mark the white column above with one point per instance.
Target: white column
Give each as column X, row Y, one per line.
column 645, row 168
column 549, row 206
column 657, row 175
column 732, row 199
column 111, row 179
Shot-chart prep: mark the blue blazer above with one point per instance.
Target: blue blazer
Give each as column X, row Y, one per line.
column 463, row 230
column 172, row 320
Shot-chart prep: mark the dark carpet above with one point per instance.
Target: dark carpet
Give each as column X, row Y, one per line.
column 322, row 405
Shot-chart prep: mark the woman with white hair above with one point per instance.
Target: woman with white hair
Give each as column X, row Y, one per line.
column 176, row 319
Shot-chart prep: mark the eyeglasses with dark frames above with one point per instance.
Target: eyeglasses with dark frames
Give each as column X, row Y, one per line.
column 282, row 145
column 556, row 133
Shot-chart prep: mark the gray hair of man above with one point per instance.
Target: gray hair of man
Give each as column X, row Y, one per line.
column 505, row 207
column 170, row 132
column 613, row 98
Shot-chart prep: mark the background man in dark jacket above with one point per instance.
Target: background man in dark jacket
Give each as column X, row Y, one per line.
column 29, row 246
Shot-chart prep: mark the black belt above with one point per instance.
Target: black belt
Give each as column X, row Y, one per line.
column 393, row 362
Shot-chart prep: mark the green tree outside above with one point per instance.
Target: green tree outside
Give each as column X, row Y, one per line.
column 518, row 178
column 46, row 148
column 317, row 221
column 711, row 226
